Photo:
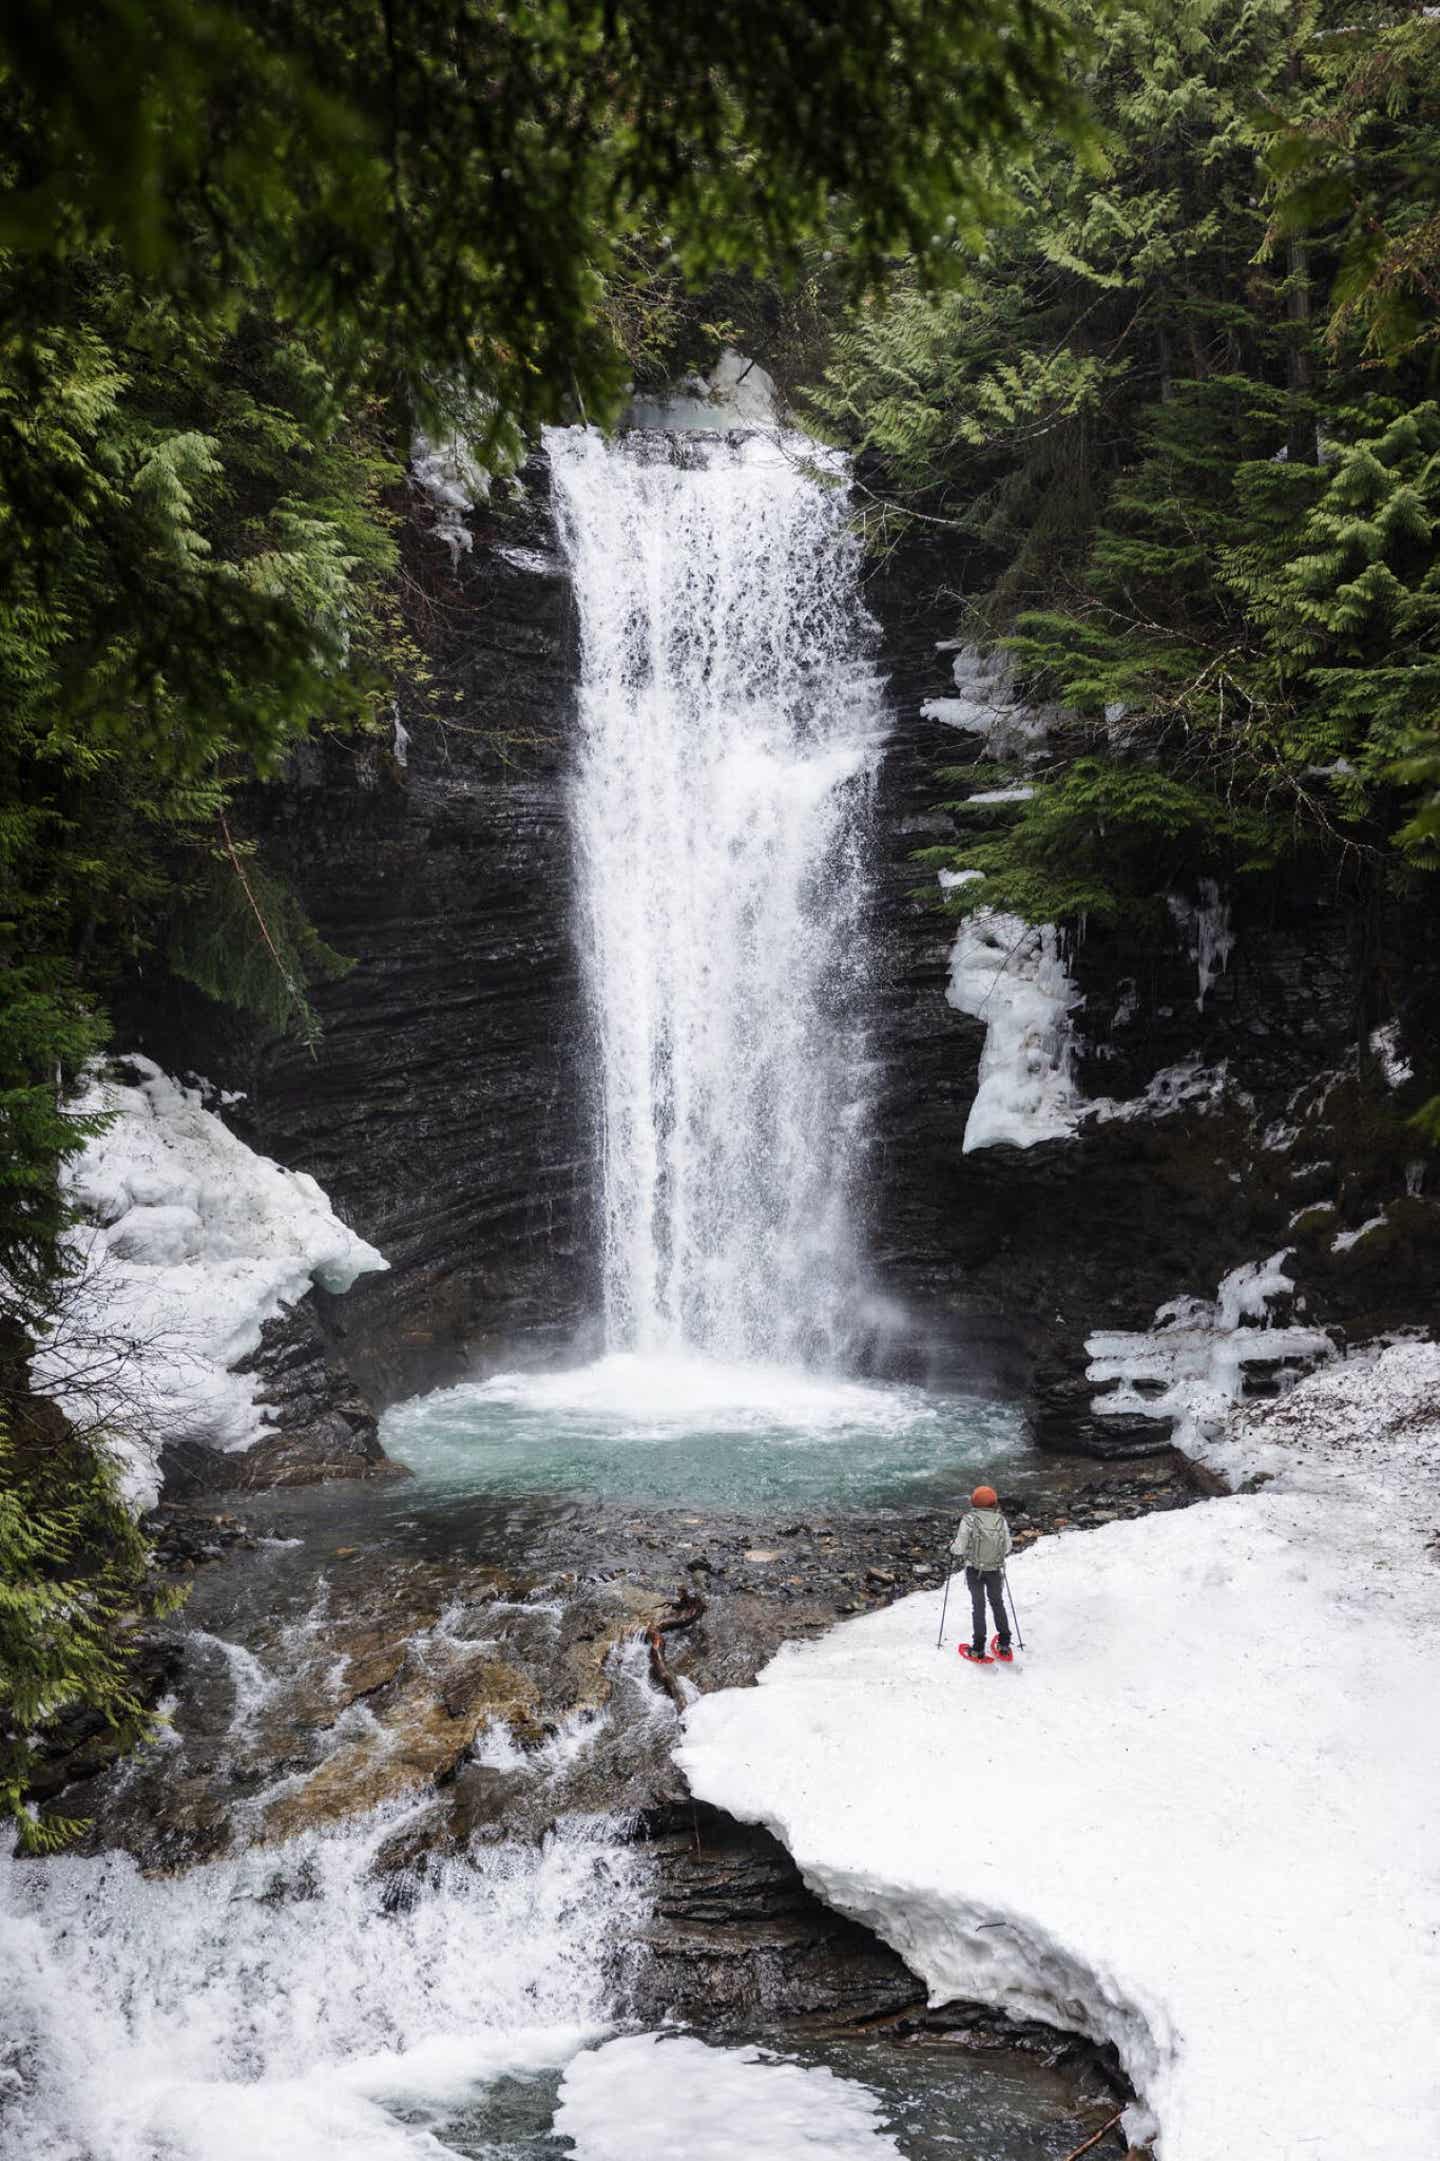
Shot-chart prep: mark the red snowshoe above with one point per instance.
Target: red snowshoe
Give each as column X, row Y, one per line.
column 975, row 1658
column 1005, row 1657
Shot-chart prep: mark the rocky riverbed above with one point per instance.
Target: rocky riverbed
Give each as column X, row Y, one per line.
column 490, row 1668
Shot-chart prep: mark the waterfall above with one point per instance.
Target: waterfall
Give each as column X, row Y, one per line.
column 729, row 723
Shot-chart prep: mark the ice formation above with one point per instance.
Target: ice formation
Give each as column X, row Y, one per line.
column 1190, row 1085
column 452, row 481
column 986, row 704
column 1385, row 1046
column 1189, row 1366
column 1198, row 1819
column 1205, row 926
column 188, row 1242
column 1010, row 975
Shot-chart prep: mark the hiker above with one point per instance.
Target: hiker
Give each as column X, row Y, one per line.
column 982, row 1543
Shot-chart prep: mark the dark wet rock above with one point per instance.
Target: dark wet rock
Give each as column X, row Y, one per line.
column 319, row 1674
column 1003, row 1261
column 735, row 1932
column 445, row 1113
column 323, row 1427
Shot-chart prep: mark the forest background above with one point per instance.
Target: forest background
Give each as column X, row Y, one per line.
column 1134, row 308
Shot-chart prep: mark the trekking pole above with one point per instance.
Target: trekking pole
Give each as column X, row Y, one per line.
column 1005, row 1579
column 944, row 1604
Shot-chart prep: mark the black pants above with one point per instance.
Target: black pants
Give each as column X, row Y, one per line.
column 986, row 1582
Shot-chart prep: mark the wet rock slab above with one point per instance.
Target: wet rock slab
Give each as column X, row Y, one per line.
column 346, row 1648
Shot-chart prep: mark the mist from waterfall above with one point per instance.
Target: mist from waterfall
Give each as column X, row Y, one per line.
column 730, row 720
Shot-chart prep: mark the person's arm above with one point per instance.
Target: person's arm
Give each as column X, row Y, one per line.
column 960, row 1543
column 1009, row 1541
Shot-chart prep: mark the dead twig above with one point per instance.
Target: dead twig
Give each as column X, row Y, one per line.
column 1075, row 2155
column 686, row 1608
column 660, row 1672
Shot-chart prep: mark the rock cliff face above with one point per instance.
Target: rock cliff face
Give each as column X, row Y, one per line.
column 1277, row 1123
column 447, row 1113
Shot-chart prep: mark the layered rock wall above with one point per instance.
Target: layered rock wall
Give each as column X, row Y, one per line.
column 1278, row 1120
column 445, row 1110
column 448, row 1116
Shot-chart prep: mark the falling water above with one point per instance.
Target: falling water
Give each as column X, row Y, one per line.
column 730, row 720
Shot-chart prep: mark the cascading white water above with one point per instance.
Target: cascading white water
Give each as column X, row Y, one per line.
column 283, row 2001
column 729, row 724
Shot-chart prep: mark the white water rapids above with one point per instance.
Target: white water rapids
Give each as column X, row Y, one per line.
column 729, row 723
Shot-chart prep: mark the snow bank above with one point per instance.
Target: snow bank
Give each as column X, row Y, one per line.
column 1199, row 1816
column 1190, row 1365
column 650, row 2097
column 1009, row 974
column 190, row 1241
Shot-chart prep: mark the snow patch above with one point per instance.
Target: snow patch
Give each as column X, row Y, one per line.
column 1001, row 795
column 1344, row 1240
column 652, row 2096
column 189, row 1241
column 1210, row 1792
column 1187, row 1086
column 1190, row 1365
column 1010, row 975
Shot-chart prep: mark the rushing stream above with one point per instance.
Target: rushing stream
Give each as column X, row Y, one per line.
column 311, row 1993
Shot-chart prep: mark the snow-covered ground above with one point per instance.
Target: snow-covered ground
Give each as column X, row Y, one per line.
column 1200, row 1817
column 189, row 1241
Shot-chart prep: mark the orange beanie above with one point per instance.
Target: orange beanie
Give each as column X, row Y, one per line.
column 984, row 1497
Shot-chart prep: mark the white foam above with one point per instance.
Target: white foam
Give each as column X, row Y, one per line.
column 651, row 2097
column 662, row 1395
column 281, row 2002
